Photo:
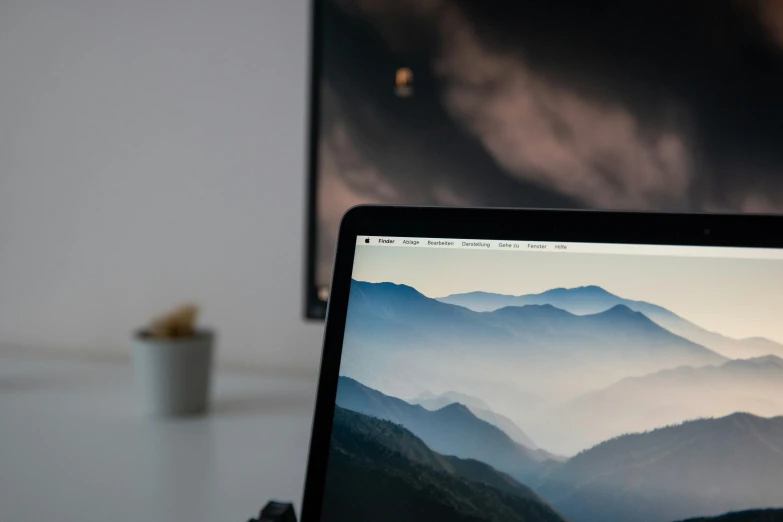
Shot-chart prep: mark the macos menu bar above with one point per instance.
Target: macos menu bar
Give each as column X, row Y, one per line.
column 565, row 248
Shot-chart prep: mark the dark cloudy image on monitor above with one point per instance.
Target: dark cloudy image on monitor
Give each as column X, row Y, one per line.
column 484, row 385
column 664, row 105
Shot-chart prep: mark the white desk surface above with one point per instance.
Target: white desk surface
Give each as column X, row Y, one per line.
column 75, row 448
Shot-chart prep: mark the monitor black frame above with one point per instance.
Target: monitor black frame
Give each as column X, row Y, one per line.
column 574, row 226
column 313, row 307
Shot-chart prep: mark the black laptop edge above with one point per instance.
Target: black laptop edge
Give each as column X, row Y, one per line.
column 731, row 230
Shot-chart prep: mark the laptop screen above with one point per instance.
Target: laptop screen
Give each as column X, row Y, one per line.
column 545, row 381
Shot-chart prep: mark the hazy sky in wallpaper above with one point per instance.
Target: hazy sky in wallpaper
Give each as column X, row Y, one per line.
column 735, row 297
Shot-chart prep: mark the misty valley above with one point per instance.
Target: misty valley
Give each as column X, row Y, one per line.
column 569, row 405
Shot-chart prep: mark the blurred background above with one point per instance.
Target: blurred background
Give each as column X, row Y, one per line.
column 155, row 152
column 150, row 152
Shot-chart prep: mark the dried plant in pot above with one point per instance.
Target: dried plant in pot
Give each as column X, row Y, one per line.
column 172, row 361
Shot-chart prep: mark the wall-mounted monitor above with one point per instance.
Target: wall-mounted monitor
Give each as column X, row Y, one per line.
column 665, row 105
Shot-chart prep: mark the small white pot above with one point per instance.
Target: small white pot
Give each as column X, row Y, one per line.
column 173, row 375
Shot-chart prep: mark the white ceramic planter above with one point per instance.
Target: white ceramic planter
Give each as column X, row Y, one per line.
column 173, row 375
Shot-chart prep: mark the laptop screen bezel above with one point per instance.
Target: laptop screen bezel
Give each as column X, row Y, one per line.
column 573, row 226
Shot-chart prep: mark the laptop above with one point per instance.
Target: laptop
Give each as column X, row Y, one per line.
column 538, row 365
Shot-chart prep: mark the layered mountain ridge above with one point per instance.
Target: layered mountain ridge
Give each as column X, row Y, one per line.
column 593, row 299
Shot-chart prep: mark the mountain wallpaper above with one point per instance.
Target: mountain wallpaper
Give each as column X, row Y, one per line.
column 575, row 404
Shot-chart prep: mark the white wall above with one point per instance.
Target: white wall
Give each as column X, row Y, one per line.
column 153, row 151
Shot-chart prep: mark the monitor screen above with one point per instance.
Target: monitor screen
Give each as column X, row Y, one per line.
column 667, row 105
column 548, row 381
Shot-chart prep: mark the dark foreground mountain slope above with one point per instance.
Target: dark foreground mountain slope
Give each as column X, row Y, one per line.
column 699, row 468
column 380, row 471
column 452, row 430
column 755, row 515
